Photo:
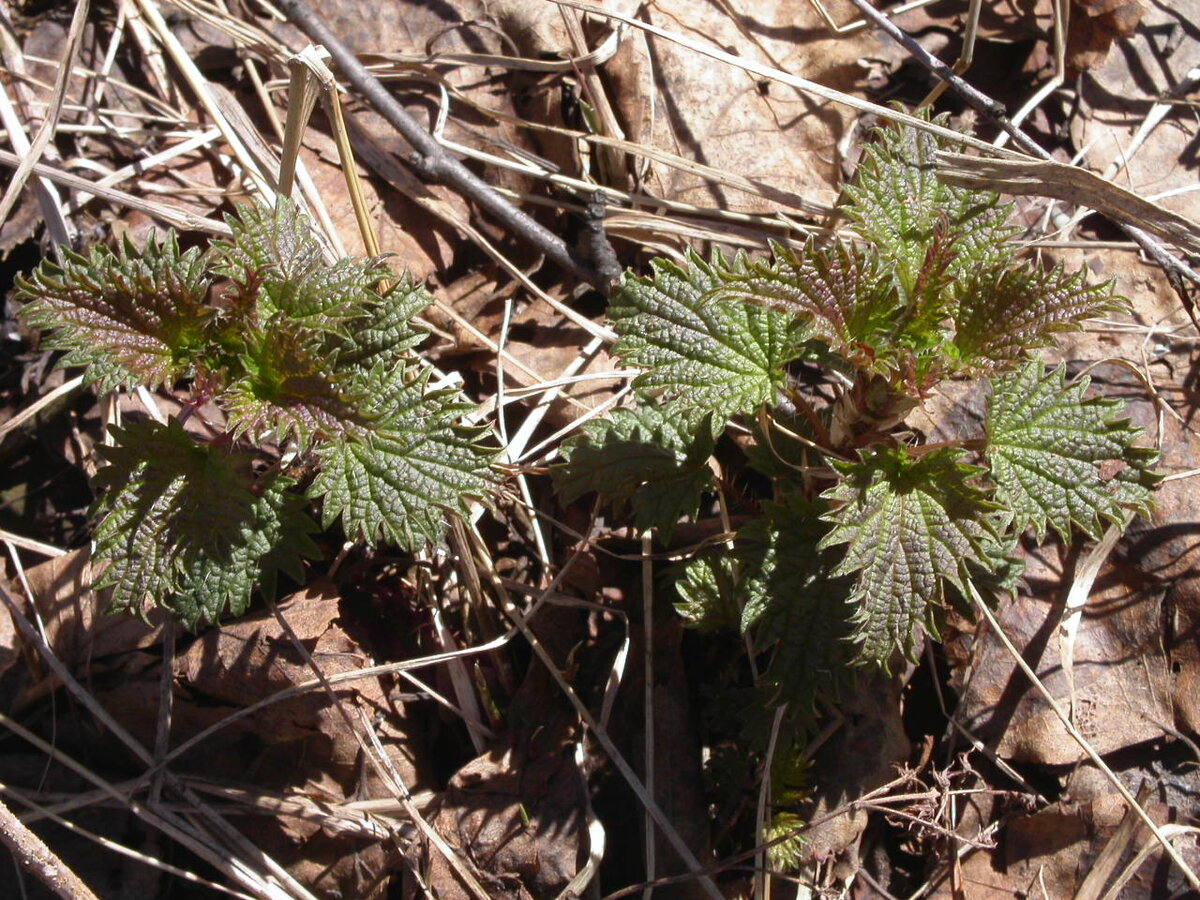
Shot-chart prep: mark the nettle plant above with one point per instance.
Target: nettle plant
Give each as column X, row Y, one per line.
column 307, row 377
column 861, row 530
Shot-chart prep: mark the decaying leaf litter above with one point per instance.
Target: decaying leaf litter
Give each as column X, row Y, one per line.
column 471, row 722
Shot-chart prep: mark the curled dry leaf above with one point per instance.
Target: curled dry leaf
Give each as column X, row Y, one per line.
column 305, row 745
column 1095, row 26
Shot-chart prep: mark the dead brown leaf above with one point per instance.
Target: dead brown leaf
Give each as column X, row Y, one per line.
column 1117, row 100
column 304, row 745
column 73, row 616
column 727, row 119
column 1095, row 26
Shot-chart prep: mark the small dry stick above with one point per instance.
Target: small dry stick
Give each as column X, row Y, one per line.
column 431, row 159
column 39, row 860
column 1072, row 185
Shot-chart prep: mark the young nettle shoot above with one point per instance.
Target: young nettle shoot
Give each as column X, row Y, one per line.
column 307, row 373
column 869, row 530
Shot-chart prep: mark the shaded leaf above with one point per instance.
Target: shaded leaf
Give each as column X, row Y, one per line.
column 796, row 601
column 708, row 593
column 640, row 457
column 272, row 540
column 188, row 525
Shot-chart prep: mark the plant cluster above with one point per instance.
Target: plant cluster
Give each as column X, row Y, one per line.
column 798, row 373
column 866, row 529
column 305, row 376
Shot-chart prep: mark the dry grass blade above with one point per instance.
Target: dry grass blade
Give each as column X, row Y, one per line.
column 648, row 698
column 213, row 847
column 432, row 159
column 378, row 759
column 15, row 540
column 303, row 88
column 46, row 131
column 48, row 200
column 1073, row 185
column 696, row 871
column 1077, row 596
column 71, row 384
column 204, row 90
column 1168, row 831
column 176, row 827
column 38, row 812
column 165, row 212
column 1106, row 862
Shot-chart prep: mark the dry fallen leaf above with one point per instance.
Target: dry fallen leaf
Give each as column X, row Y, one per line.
column 1118, row 100
column 305, row 745
column 73, row 616
column 1095, row 26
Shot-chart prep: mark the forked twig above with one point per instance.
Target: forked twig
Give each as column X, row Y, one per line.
column 431, row 159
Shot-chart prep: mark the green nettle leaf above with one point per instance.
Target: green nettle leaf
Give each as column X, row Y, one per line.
column 777, row 588
column 297, row 351
column 794, row 600
column 395, row 478
column 717, row 359
column 708, row 591
column 272, row 540
column 899, row 205
column 928, row 304
column 910, row 524
column 1005, row 314
column 274, row 255
column 640, row 457
column 289, row 391
column 1048, row 447
column 176, row 517
column 838, row 295
column 385, row 333
column 325, row 295
column 130, row 318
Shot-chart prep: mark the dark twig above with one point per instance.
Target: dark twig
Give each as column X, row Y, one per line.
column 431, row 160
column 978, row 100
column 1176, row 269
